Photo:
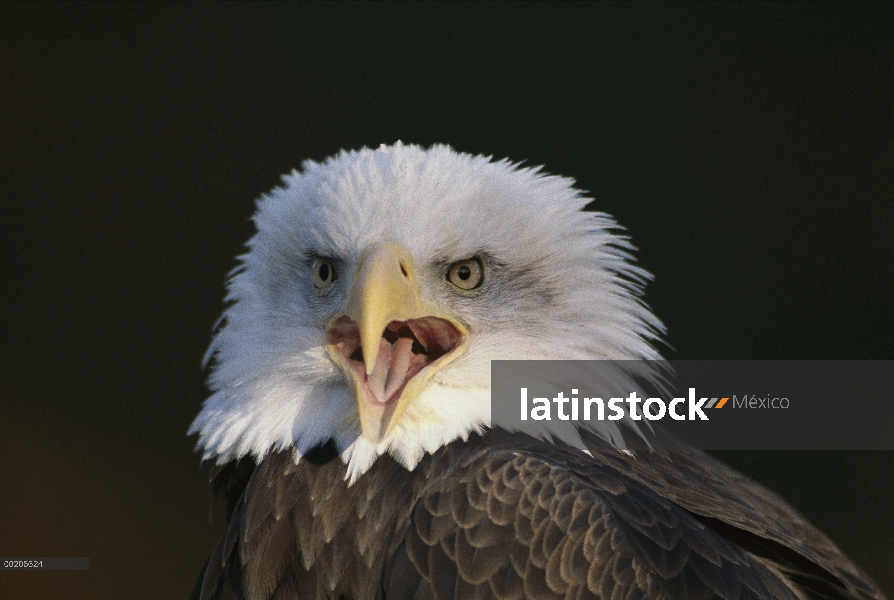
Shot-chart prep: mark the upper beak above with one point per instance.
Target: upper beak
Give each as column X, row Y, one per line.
column 388, row 341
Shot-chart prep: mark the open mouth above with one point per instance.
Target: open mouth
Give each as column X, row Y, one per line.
column 405, row 349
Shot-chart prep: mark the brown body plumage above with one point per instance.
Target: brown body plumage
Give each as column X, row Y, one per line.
column 482, row 519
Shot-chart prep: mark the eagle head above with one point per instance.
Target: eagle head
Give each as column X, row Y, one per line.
column 381, row 283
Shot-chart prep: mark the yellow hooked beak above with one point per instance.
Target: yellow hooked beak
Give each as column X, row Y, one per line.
column 388, row 341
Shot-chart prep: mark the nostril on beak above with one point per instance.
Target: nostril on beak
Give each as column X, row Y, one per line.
column 403, row 269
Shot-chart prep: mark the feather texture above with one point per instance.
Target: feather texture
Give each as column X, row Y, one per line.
column 480, row 519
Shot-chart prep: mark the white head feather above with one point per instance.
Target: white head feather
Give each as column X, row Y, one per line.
column 561, row 285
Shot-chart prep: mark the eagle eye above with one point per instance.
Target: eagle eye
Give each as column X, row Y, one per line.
column 323, row 273
column 466, row 274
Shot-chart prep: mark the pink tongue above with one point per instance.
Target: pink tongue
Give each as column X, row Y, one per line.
column 392, row 366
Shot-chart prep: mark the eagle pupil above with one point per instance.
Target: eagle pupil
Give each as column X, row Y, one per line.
column 324, row 272
column 464, row 272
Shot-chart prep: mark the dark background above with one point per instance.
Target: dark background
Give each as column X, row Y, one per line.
column 748, row 149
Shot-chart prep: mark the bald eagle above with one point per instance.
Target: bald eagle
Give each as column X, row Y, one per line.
column 349, row 424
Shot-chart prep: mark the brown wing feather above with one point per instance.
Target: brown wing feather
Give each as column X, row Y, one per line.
column 482, row 519
column 534, row 527
column 743, row 511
